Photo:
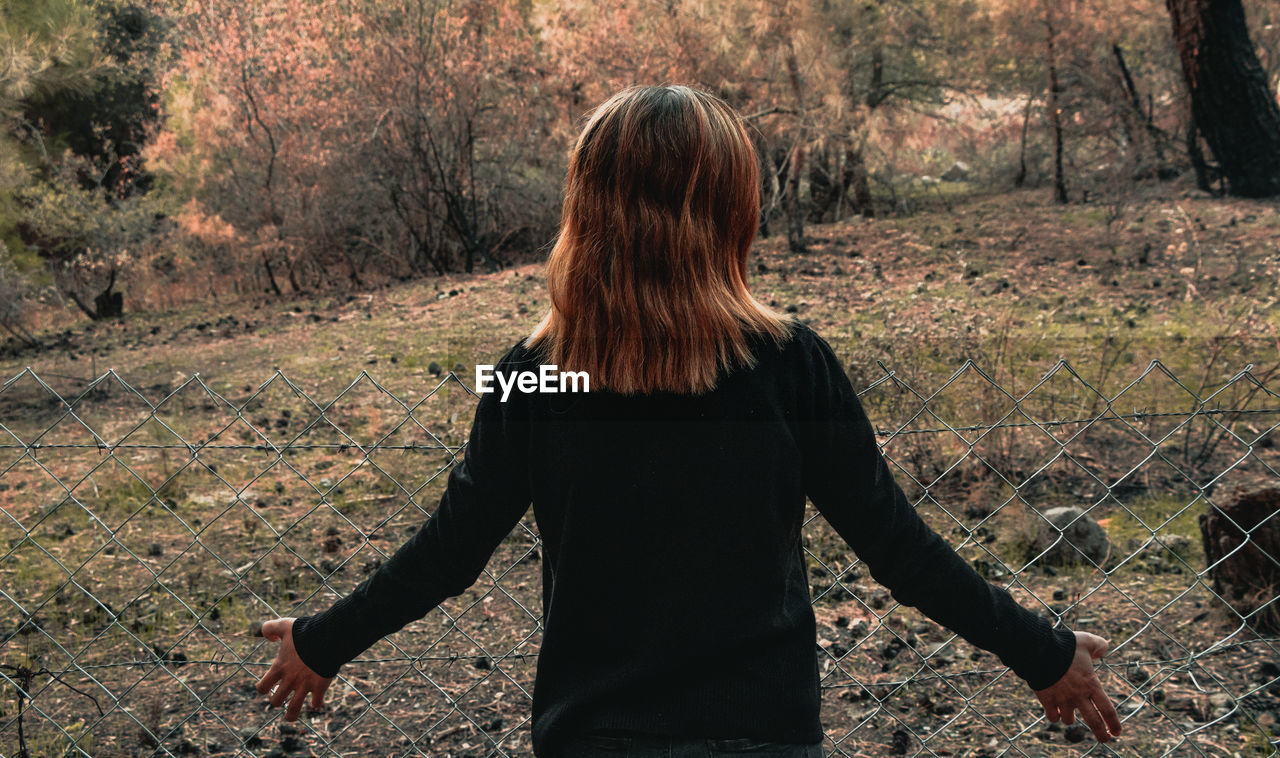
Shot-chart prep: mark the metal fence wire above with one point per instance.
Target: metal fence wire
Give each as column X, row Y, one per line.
column 146, row 529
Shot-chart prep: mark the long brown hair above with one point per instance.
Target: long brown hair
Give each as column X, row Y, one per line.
column 648, row 277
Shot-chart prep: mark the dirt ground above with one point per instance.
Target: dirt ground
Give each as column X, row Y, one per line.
column 169, row 479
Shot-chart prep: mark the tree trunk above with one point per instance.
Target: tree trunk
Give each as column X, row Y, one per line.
column 108, row 303
column 1143, row 116
column 1233, row 106
column 1127, row 78
column 1197, row 156
column 1021, row 178
column 1241, row 539
column 771, row 165
column 795, row 219
column 1055, row 114
column 823, row 189
column 271, row 274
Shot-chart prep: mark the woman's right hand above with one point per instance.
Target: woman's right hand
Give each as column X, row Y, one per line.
column 290, row 678
column 1080, row 689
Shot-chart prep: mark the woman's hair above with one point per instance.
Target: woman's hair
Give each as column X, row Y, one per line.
column 648, row 276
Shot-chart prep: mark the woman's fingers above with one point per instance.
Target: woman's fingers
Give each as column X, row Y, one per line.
column 295, row 703
column 282, row 692
column 269, row 679
column 274, row 629
column 1094, row 720
column 297, row 694
column 288, row 679
column 1050, row 706
column 1108, row 711
column 317, row 695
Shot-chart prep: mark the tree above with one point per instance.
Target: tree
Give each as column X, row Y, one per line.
column 1231, row 102
column 77, row 108
column 90, row 238
column 1055, row 108
column 459, row 141
column 48, row 48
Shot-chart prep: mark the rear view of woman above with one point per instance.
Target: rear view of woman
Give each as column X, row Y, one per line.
column 669, row 498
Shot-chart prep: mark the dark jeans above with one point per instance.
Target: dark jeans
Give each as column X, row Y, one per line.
column 645, row 746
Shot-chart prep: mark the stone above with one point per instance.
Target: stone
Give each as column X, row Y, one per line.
column 1069, row 536
column 1220, row 704
column 958, row 172
column 1180, row 545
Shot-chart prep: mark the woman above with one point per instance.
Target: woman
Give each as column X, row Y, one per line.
column 669, row 497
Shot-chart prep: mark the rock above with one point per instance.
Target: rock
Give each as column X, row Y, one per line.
column 1220, row 703
column 1195, row 706
column 292, row 744
column 958, row 172
column 928, row 181
column 1179, row 544
column 1266, row 673
column 901, row 742
column 939, row 653
column 249, row 737
column 1075, row 733
column 1069, row 536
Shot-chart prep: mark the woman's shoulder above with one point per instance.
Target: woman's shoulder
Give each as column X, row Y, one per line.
column 800, row 354
column 809, row 357
column 802, row 340
column 520, row 355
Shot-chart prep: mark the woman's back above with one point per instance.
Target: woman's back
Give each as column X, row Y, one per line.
column 674, row 587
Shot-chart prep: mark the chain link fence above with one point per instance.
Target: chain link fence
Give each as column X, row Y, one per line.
column 145, row 530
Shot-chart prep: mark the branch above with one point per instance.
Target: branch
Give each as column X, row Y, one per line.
column 768, row 111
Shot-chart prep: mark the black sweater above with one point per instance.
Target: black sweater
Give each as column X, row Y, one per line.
column 675, row 598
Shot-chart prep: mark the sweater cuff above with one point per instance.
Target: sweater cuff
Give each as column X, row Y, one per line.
column 1053, row 661
column 310, row 644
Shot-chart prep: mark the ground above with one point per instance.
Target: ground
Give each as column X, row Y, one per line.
column 212, row 491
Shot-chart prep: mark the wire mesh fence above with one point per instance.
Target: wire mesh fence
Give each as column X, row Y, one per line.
column 146, row 529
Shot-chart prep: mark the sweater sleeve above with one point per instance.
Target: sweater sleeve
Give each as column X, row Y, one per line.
column 848, row 480
column 486, row 495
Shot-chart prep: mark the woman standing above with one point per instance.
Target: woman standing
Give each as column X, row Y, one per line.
column 669, row 498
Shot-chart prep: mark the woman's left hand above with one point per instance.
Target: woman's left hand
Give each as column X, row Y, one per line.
column 291, row 678
column 1079, row 689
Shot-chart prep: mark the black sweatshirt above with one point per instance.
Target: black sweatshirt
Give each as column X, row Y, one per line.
column 675, row 596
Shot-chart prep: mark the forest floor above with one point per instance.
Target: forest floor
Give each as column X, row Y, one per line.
column 265, row 456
